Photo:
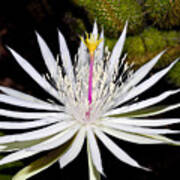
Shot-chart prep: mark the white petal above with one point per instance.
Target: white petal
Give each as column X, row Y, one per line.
column 135, row 129
column 30, row 151
column 27, row 125
column 34, row 74
column 95, row 30
column 30, row 115
column 66, row 59
column 147, row 112
column 29, row 104
column 74, row 149
column 94, row 150
column 100, row 49
column 101, row 46
column 40, row 164
column 19, row 145
column 147, row 83
column 19, row 94
column 158, row 111
column 48, row 57
column 116, row 151
column 93, row 173
column 82, row 55
column 56, row 140
column 36, row 134
column 142, row 104
column 16, row 156
column 142, row 72
column 116, row 53
column 133, row 138
column 144, row 122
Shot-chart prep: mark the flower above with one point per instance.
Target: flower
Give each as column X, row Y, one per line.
column 91, row 99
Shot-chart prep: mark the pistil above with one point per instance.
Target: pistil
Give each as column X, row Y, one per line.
column 90, row 86
column 91, row 43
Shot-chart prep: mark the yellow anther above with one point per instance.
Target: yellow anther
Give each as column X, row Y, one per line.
column 91, row 42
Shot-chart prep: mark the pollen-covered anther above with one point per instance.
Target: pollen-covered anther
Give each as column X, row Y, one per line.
column 91, row 42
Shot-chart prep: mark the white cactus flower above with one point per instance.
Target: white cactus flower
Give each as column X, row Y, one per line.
column 93, row 94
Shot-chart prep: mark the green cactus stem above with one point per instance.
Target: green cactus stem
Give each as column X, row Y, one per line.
column 163, row 13
column 154, row 40
column 173, row 77
column 110, row 42
column 112, row 15
column 142, row 48
column 134, row 45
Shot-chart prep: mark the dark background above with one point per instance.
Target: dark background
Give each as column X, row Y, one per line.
column 18, row 21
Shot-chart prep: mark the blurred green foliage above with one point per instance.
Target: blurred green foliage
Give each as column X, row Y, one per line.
column 163, row 13
column 112, row 15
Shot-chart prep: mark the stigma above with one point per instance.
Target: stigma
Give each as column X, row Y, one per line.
column 91, row 42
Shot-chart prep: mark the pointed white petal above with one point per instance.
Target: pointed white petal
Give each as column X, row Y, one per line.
column 131, row 137
column 56, row 140
column 40, row 164
column 95, row 30
column 116, row 53
column 142, row 104
column 27, row 125
column 19, row 145
column 30, row 115
column 158, row 111
column 94, row 150
column 34, row 74
column 74, row 149
column 116, row 151
column 100, row 49
column 19, row 94
column 144, row 122
column 36, row 134
column 147, row 112
column 152, row 80
column 16, row 156
column 135, row 129
column 15, row 146
column 28, row 104
column 101, row 46
column 93, row 173
column 65, row 57
column 142, row 72
column 48, row 57
column 145, row 85
column 82, row 55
